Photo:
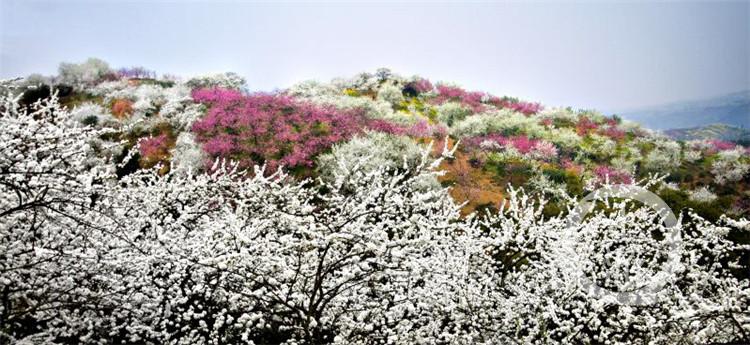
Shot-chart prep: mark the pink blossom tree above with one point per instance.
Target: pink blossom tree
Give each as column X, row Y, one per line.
column 270, row 129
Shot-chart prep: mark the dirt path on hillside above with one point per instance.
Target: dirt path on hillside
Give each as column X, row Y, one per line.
column 468, row 183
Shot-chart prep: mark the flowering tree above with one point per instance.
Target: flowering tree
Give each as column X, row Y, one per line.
column 605, row 174
column 269, row 129
column 84, row 74
column 155, row 149
column 730, row 165
column 50, row 188
column 367, row 256
column 219, row 80
column 472, row 100
column 547, row 277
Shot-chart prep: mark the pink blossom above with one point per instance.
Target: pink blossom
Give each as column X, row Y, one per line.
column 269, row 128
column 420, row 129
column 450, row 92
column 721, row 145
column 569, row 165
column 613, row 132
column 423, row 85
column 220, row 145
column 439, row 131
column 605, row 173
column 472, row 100
column 585, row 126
column 424, row 129
column 526, row 108
column 153, row 146
column 216, row 95
column 384, row 126
column 545, row 150
column 522, row 143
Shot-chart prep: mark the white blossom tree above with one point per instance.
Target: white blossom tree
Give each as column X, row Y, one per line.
column 230, row 256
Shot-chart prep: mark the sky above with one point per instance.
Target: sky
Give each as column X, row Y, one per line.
column 612, row 56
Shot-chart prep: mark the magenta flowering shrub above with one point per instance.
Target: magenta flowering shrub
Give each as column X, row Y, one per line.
column 526, row 108
column 217, row 95
column 604, row 173
column 476, row 100
column 416, row 87
column 270, row 129
column 472, row 100
column 613, row 133
column 585, row 126
column 153, row 146
column 423, row 85
column 721, row 145
column 379, row 125
column 522, row 143
column 612, row 129
column 446, row 92
column 154, row 150
column 545, row 150
column 421, row 129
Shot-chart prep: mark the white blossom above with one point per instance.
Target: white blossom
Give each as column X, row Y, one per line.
column 664, row 157
column 227, row 80
column 187, row 155
column 703, row 195
column 391, row 94
column 368, row 256
column 84, row 74
column 497, row 122
column 450, row 113
column 730, row 166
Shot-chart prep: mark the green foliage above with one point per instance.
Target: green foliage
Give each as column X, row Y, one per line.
column 574, row 184
column 551, row 209
column 90, row 120
column 555, row 175
column 679, row 201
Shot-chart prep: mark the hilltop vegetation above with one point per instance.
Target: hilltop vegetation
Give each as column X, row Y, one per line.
column 555, row 152
column 373, row 209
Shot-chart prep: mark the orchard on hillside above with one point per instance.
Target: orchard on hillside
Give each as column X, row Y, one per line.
column 181, row 220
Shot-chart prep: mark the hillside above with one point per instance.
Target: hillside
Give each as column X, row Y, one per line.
column 373, row 209
column 713, row 131
column 504, row 141
column 732, row 109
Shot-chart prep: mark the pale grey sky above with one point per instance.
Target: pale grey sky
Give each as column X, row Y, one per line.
column 605, row 55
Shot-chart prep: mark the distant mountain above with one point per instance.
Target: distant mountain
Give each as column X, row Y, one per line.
column 731, row 109
column 713, row 131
